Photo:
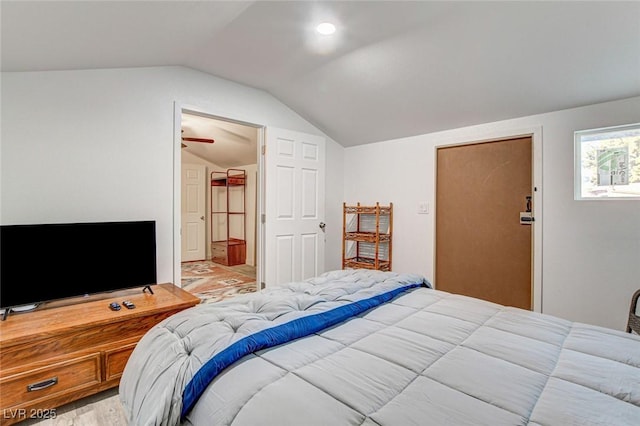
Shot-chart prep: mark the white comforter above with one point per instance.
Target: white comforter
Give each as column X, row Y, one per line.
column 426, row 357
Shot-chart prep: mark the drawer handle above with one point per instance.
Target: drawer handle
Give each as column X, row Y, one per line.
column 42, row 385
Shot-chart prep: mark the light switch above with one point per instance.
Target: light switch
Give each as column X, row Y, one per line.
column 423, row 207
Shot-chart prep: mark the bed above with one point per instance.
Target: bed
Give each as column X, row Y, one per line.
column 362, row 347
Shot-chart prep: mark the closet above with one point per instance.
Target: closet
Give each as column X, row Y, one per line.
column 228, row 217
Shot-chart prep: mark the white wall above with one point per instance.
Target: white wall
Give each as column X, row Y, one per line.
column 334, row 197
column 590, row 249
column 96, row 145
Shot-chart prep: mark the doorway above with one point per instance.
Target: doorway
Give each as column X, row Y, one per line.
column 483, row 249
column 211, row 146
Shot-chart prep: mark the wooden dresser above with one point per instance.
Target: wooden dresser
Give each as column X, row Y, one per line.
column 53, row 356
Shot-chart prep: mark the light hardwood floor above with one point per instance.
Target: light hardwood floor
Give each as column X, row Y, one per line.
column 102, row 409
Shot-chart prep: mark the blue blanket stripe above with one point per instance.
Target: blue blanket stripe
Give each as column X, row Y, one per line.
column 277, row 335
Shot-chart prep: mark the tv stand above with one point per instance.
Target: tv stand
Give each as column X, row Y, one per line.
column 53, row 356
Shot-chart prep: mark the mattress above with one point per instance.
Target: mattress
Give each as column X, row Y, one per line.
column 360, row 347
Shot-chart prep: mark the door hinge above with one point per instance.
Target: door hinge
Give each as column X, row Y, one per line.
column 264, row 149
column 263, row 218
column 262, row 285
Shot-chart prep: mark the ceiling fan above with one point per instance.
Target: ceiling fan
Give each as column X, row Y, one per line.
column 189, row 139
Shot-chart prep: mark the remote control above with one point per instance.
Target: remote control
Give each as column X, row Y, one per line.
column 128, row 304
column 114, row 306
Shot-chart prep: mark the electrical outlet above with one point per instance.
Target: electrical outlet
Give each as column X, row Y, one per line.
column 423, row 207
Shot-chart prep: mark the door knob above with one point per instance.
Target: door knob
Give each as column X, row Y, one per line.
column 322, row 225
column 201, row 217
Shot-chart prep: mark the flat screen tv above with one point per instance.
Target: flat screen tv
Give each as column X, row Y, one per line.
column 45, row 262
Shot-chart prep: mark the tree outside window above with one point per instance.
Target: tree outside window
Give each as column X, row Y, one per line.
column 608, row 163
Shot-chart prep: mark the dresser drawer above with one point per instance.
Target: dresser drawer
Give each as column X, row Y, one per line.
column 219, row 250
column 52, row 380
column 115, row 360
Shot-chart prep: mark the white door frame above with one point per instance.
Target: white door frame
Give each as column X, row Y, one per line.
column 535, row 133
column 178, row 110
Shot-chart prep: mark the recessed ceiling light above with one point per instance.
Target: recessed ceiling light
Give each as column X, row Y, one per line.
column 326, row 28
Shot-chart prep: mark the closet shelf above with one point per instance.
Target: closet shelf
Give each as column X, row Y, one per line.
column 369, row 237
column 366, row 263
column 377, row 209
column 228, row 217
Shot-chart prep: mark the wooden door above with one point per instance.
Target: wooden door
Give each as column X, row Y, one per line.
column 294, row 206
column 482, row 250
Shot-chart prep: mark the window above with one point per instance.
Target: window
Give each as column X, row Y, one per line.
column 607, row 163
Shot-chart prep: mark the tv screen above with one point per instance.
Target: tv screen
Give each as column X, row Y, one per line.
column 45, row 262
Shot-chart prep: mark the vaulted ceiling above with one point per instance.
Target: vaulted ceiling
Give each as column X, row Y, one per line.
column 392, row 69
column 233, row 145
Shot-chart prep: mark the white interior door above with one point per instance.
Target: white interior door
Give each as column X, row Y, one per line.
column 294, row 206
column 193, row 212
